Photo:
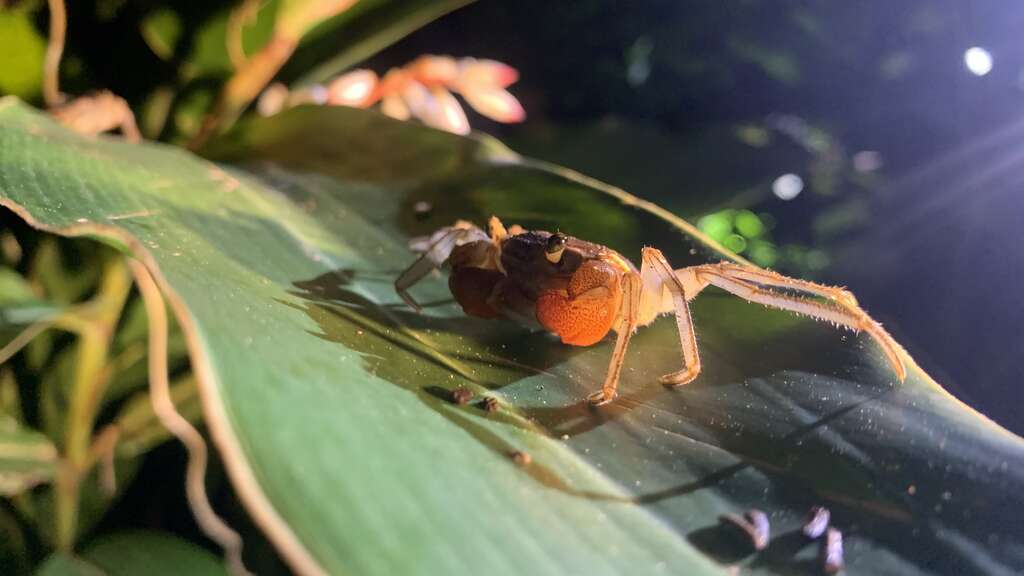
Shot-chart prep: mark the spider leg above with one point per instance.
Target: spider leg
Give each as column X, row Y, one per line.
column 840, row 307
column 129, row 129
column 632, row 290
column 644, row 298
column 663, row 280
column 497, row 229
column 435, row 255
column 769, row 278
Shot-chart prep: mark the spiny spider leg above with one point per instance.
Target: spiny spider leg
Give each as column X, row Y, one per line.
column 769, row 278
column 841, row 311
column 656, row 275
column 655, row 260
column 433, row 258
column 632, row 292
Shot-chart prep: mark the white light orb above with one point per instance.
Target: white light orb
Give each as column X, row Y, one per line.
column 978, row 60
column 788, row 186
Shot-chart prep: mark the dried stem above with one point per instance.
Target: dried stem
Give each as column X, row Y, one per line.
column 242, row 14
column 163, row 406
column 54, row 51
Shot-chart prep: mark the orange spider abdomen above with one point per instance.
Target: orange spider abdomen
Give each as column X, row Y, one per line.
column 583, row 313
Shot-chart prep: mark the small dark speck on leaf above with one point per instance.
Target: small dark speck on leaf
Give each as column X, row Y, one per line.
column 490, row 404
column 422, row 209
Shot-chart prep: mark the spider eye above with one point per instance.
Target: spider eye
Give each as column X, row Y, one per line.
column 555, row 247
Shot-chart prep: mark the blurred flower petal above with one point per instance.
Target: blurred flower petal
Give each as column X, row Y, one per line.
column 393, row 81
column 496, row 104
column 423, row 89
column 393, row 105
column 417, row 98
column 436, row 108
column 272, row 100
column 433, row 70
column 357, row 88
column 446, row 113
column 485, row 74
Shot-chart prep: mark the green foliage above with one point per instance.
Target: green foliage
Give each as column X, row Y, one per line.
column 335, row 395
column 27, row 457
column 331, row 401
column 21, row 59
column 74, row 420
column 131, row 553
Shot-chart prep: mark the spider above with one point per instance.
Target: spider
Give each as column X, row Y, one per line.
column 581, row 291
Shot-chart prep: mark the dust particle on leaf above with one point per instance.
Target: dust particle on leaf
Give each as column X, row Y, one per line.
column 462, row 396
column 490, row 404
column 832, row 551
column 817, row 522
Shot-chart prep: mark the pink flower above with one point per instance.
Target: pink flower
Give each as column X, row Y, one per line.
column 486, row 73
column 482, row 83
column 496, row 104
column 424, row 89
column 435, row 107
column 433, row 70
column 357, row 88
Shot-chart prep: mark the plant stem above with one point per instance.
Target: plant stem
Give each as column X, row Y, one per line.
column 54, row 50
column 294, row 19
column 244, row 86
column 95, row 327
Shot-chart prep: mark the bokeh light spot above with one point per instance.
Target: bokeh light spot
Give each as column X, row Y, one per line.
column 717, row 225
column 978, row 60
column 788, row 186
column 735, row 243
column 817, row 260
column 867, row 161
column 763, row 253
column 748, row 224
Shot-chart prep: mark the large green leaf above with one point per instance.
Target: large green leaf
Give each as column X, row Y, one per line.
column 328, row 397
column 132, row 553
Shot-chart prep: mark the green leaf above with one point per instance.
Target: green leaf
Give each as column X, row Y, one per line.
column 61, row 564
column 21, row 52
column 131, row 553
column 328, row 397
column 161, row 29
column 19, row 306
column 366, row 28
column 208, row 49
column 14, row 288
column 140, row 430
column 27, row 457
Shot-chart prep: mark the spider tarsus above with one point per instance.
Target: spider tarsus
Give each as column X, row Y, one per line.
column 599, row 398
column 679, row 378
